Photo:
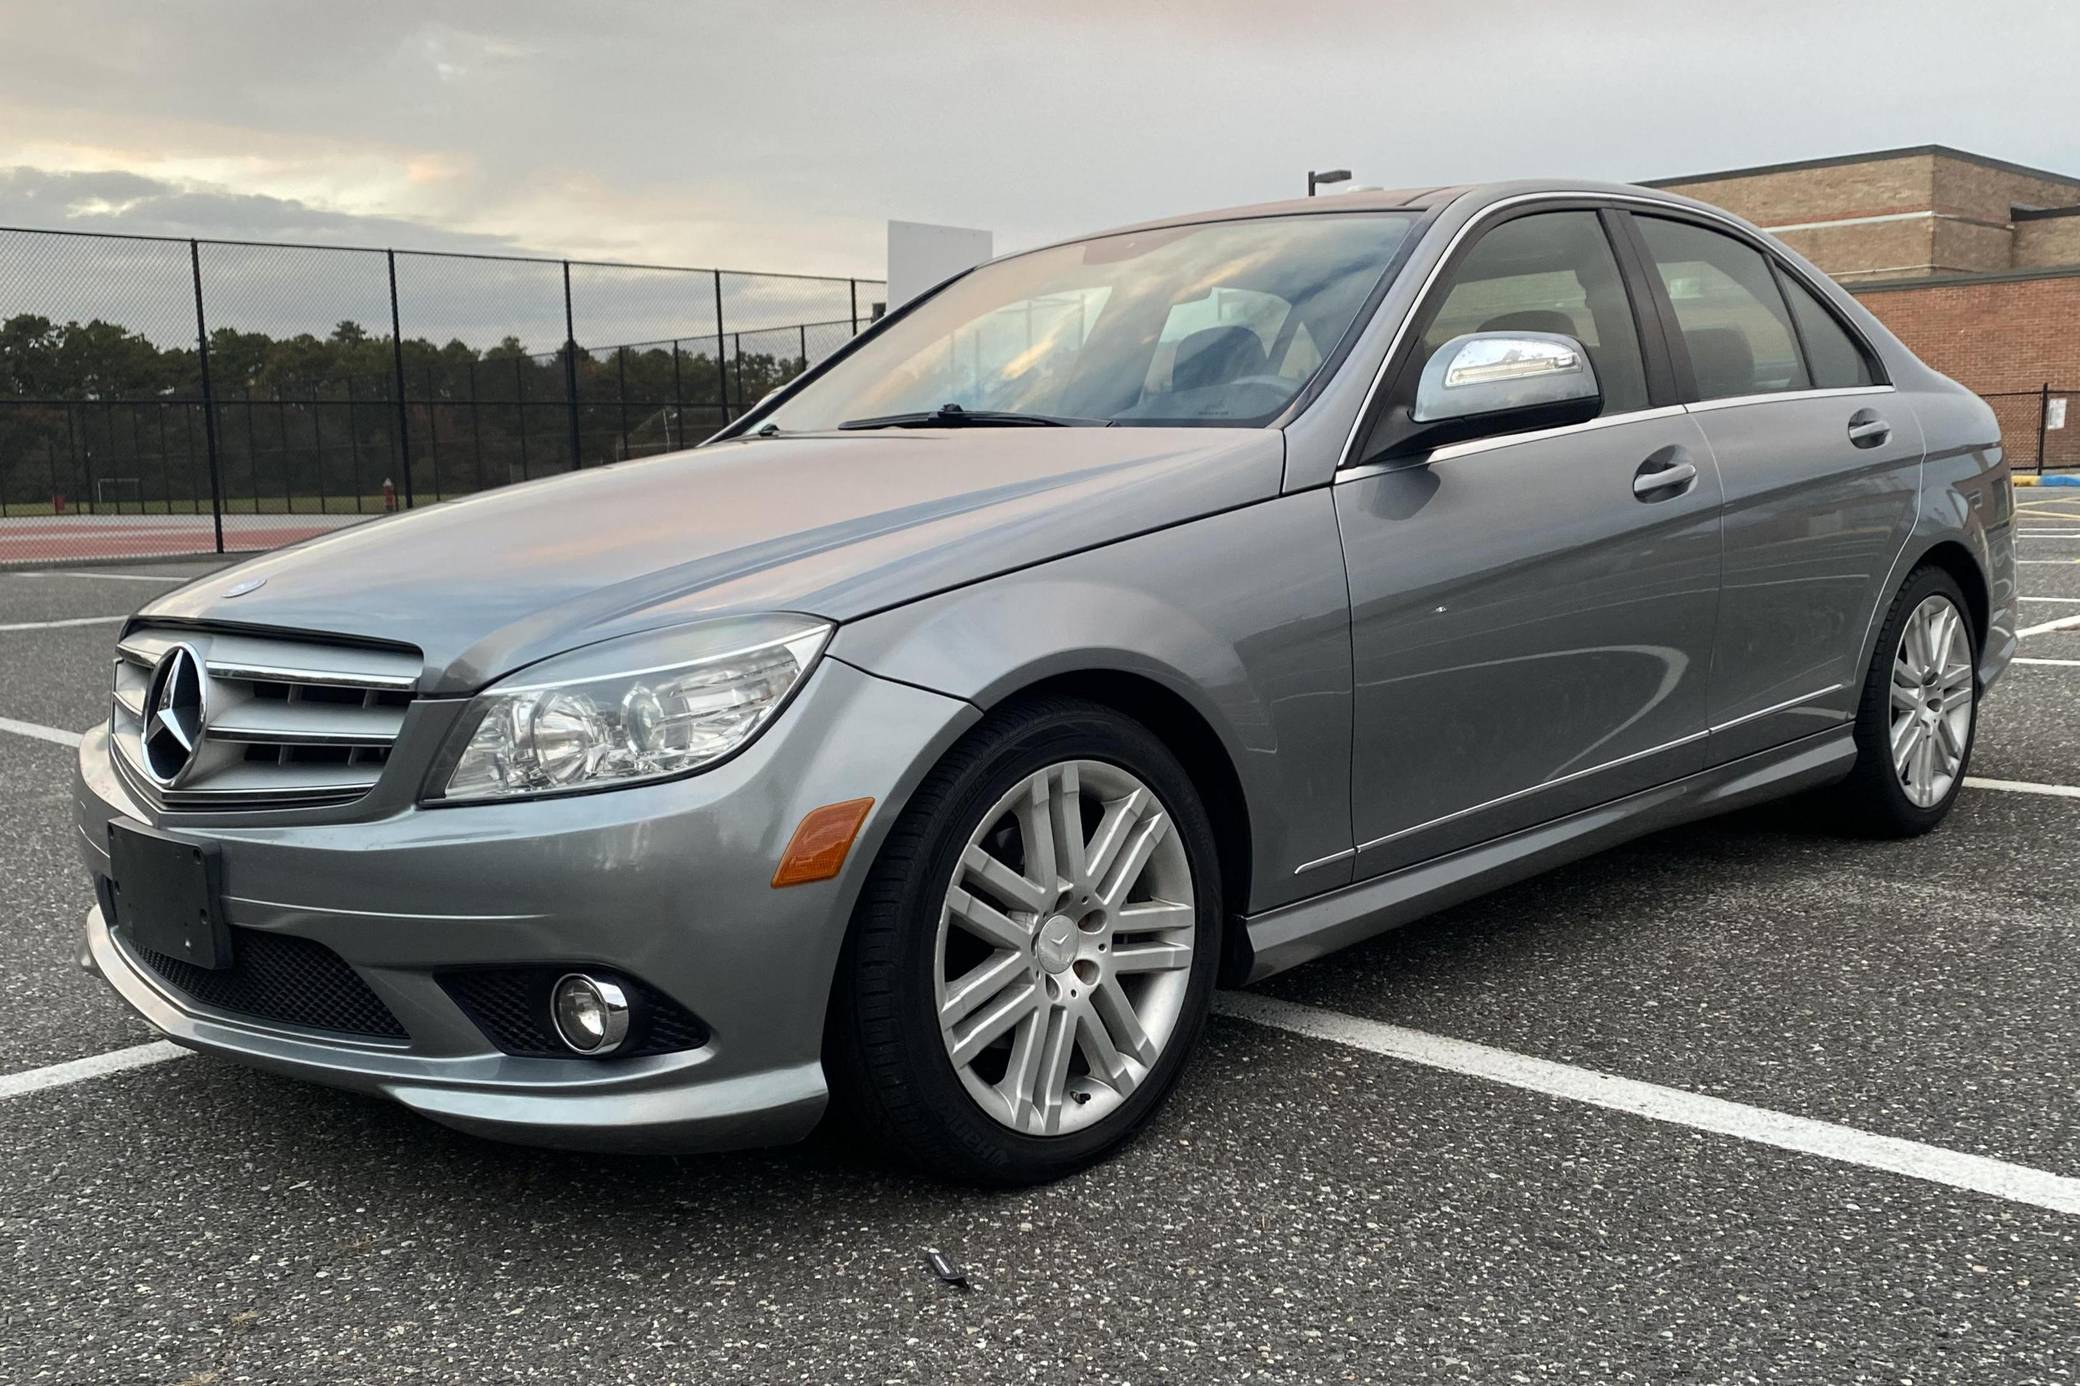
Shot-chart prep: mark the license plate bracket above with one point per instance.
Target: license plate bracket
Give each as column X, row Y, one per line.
column 166, row 894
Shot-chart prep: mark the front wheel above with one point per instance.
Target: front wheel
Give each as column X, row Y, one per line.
column 1033, row 954
column 1919, row 712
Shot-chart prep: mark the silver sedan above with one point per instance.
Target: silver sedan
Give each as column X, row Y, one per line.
column 1128, row 616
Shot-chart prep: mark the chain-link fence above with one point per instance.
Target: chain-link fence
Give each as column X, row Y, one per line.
column 2035, row 432
column 163, row 397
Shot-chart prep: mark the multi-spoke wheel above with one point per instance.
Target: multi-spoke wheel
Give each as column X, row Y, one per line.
column 1034, row 952
column 1064, row 947
column 1920, row 703
column 1931, row 700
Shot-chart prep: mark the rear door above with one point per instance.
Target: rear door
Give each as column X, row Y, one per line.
column 1531, row 617
column 1821, row 464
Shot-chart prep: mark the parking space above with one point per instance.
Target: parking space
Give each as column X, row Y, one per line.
column 1303, row 1211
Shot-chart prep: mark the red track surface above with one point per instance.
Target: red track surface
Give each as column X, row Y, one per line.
column 99, row 537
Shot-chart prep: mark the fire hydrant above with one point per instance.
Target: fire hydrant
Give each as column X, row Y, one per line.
column 389, row 496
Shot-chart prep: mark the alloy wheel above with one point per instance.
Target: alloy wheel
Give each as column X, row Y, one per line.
column 1065, row 946
column 1932, row 693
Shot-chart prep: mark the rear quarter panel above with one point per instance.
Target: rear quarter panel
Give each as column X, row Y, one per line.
column 1967, row 498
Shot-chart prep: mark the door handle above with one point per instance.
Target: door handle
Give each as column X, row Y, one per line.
column 1658, row 479
column 1867, row 430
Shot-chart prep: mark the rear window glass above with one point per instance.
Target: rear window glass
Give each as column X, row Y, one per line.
column 1837, row 362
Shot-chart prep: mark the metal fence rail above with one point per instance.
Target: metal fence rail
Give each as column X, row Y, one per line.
column 2035, row 430
column 165, row 397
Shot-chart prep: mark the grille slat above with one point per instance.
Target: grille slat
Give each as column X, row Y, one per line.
column 291, row 723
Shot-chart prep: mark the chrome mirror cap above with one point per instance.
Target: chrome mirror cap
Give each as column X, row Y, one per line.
column 1496, row 372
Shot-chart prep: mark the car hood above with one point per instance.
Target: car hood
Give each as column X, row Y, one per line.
column 836, row 526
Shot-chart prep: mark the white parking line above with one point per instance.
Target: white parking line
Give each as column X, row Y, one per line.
column 2062, row 623
column 2062, row 791
column 2068, row 601
column 69, row 621
column 79, row 1070
column 2061, row 663
column 1976, row 1173
column 40, row 732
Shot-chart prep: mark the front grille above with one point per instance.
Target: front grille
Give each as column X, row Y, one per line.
column 281, row 978
column 285, row 722
column 511, row 1007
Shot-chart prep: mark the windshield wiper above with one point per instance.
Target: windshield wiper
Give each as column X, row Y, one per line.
column 953, row 416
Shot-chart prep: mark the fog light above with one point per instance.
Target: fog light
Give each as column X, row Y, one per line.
column 591, row 1013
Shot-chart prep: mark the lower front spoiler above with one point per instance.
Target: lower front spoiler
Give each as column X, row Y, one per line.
column 659, row 1104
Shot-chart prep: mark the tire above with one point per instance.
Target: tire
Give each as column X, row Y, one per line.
column 954, row 1100
column 1881, row 800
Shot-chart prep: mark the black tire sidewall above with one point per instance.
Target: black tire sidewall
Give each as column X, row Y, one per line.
column 939, row 1124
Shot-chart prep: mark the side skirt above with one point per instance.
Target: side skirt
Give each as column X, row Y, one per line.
column 1308, row 929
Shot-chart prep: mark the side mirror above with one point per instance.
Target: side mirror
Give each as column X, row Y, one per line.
column 1486, row 383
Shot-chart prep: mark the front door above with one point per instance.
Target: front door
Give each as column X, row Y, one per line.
column 1531, row 618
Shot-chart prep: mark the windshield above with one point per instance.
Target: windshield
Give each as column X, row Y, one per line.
column 1218, row 323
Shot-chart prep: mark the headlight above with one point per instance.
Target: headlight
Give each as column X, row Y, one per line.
column 645, row 707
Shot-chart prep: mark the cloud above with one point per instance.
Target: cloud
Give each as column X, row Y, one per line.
column 122, row 202
column 741, row 133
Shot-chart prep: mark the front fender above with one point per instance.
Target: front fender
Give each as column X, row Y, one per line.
column 1244, row 616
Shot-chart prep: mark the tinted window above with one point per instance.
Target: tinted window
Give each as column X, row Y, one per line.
column 1727, row 305
column 1218, row 323
column 1552, row 272
column 1836, row 361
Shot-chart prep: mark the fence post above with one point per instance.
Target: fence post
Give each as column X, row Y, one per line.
column 72, row 450
column 209, row 399
column 318, row 446
column 621, row 390
column 281, row 423
column 721, row 350
column 854, row 284
column 404, row 413
column 520, row 367
column 678, row 402
column 433, row 434
column 476, row 432
column 165, row 465
column 570, row 366
column 2043, row 417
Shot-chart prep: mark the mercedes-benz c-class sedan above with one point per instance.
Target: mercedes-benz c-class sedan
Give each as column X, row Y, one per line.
column 1122, row 618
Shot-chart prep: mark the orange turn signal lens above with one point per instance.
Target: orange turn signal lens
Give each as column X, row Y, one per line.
column 820, row 843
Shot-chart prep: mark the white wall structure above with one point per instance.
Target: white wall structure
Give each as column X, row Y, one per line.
column 920, row 255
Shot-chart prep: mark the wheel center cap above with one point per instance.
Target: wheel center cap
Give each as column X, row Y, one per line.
column 1055, row 948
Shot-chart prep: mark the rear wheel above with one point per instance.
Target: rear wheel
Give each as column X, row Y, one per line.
column 1033, row 954
column 1919, row 712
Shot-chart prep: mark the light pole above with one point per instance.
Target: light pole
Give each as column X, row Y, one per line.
column 1334, row 175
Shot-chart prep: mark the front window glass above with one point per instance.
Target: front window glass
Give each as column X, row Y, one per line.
column 1549, row 272
column 1222, row 323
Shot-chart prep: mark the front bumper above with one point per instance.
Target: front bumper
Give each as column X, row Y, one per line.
column 668, row 883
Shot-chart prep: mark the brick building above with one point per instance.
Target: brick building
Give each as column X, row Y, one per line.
column 1973, row 261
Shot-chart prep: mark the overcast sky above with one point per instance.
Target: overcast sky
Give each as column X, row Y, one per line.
column 783, row 136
